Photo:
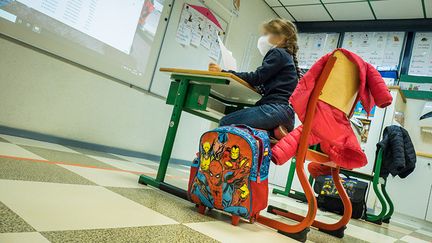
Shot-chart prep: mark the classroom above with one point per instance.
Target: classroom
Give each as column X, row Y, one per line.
column 215, row 121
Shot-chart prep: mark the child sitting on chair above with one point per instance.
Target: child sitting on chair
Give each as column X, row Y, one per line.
column 275, row 79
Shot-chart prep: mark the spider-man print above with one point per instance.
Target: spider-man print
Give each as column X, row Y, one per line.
column 222, row 179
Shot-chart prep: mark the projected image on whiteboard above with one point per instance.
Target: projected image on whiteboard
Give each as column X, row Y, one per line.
column 111, row 36
column 112, row 22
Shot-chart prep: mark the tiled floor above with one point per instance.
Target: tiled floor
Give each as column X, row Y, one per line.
column 52, row 193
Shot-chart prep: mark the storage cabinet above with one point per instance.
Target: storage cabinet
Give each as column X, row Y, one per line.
column 411, row 195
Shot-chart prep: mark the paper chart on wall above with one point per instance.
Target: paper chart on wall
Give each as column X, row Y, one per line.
column 198, row 27
column 184, row 29
column 312, row 46
column 381, row 49
column 421, row 58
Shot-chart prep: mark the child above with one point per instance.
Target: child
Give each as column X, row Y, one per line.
column 275, row 79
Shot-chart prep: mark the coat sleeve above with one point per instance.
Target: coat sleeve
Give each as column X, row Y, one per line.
column 410, row 155
column 378, row 88
column 397, row 151
column 273, row 62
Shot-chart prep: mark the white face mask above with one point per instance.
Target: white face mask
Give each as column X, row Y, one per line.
column 264, row 45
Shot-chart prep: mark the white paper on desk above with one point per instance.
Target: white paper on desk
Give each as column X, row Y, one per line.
column 229, row 62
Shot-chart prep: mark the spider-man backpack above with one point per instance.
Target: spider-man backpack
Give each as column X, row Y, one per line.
column 230, row 172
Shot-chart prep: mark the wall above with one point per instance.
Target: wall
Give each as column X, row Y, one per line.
column 246, row 28
column 44, row 94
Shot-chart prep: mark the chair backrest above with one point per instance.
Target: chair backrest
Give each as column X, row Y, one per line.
column 342, row 85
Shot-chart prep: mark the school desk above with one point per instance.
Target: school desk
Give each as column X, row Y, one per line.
column 203, row 93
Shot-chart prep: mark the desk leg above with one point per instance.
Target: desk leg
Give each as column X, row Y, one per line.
column 170, row 137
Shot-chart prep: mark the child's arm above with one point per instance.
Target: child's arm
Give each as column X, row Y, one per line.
column 272, row 63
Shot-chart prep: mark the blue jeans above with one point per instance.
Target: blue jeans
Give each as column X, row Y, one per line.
column 267, row 117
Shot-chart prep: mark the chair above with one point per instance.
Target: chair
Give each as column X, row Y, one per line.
column 339, row 76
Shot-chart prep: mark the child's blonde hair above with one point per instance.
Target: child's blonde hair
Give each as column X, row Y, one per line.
column 288, row 30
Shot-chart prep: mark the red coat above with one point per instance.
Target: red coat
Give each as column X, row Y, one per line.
column 330, row 126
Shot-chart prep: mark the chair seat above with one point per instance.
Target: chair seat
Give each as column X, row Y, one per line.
column 318, row 157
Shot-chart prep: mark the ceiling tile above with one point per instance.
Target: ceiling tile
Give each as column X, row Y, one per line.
column 309, row 13
column 281, row 11
column 273, row 3
column 398, row 9
column 350, row 11
column 428, row 7
column 343, row 1
column 298, row 2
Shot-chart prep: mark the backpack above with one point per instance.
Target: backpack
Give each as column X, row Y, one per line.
column 328, row 197
column 230, row 171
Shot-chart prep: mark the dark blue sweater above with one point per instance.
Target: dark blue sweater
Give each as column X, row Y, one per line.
column 276, row 78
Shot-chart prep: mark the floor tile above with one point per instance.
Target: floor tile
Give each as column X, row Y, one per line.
column 65, row 157
column 178, row 182
column 36, row 143
column 156, row 234
column 282, row 200
column 425, row 232
column 367, row 235
column 10, row 149
column 396, row 228
column 137, row 160
column 178, row 171
column 107, row 177
column 421, row 236
column 11, row 222
column 408, row 222
column 72, row 207
column 96, row 153
column 382, row 229
column 33, row 237
column 11, row 169
column 411, row 239
column 244, row 232
column 320, row 237
column 125, row 165
column 169, row 205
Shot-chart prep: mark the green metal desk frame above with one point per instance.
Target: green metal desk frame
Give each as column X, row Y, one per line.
column 387, row 207
column 181, row 94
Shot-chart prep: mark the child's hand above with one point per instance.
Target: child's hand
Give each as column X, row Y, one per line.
column 213, row 67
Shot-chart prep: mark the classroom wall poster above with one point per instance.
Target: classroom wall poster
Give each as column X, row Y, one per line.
column 421, row 58
column 381, row 49
column 312, row 46
column 199, row 27
column 359, row 111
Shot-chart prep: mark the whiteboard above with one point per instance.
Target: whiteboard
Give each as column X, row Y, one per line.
column 421, row 58
column 381, row 49
column 312, row 46
column 176, row 55
column 85, row 32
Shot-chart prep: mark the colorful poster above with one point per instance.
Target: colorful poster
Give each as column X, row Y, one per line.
column 359, row 111
column 312, row 46
column 421, row 58
column 381, row 49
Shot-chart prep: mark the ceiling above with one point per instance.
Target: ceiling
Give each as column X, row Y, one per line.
column 334, row 10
